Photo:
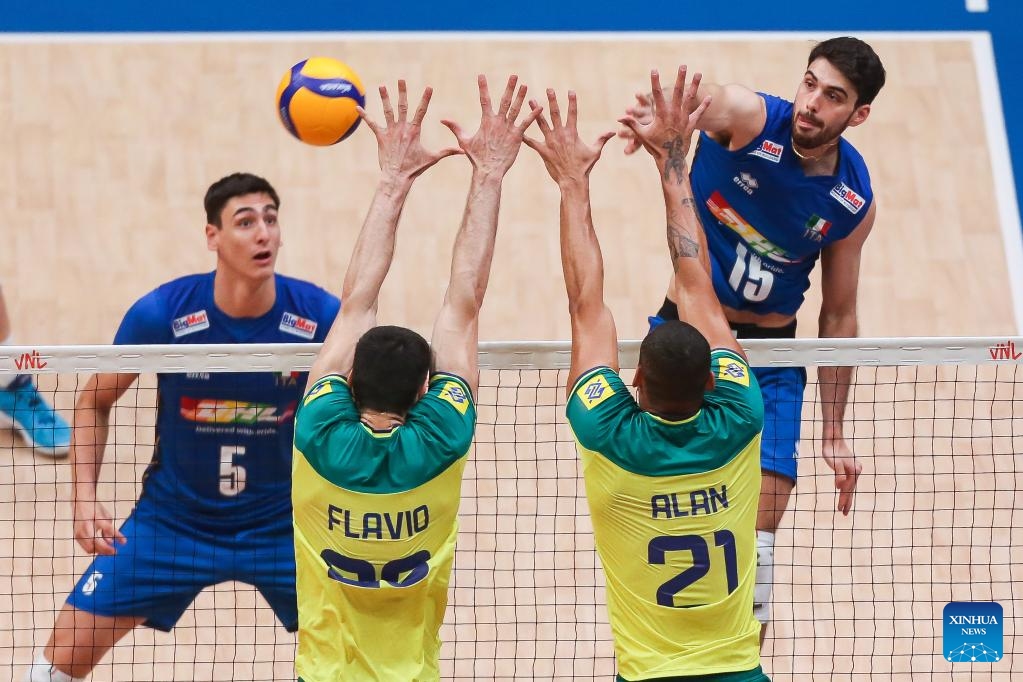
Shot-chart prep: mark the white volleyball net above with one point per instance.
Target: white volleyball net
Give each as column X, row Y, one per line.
column 936, row 423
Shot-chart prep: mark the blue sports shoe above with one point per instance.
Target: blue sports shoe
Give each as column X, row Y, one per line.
column 22, row 407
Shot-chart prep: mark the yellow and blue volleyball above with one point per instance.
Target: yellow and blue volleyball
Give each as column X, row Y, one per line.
column 316, row 100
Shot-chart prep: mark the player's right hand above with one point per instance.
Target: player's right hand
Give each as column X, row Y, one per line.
column 568, row 158
column 668, row 135
column 495, row 145
column 401, row 155
column 642, row 111
column 94, row 529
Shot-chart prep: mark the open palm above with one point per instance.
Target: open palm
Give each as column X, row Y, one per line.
column 400, row 152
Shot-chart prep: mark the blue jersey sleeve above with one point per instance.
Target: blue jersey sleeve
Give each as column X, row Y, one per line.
column 779, row 111
column 145, row 322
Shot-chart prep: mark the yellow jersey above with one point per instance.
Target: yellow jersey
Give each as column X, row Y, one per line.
column 674, row 507
column 376, row 516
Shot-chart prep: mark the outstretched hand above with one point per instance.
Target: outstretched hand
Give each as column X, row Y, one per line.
column 401, row 154
column 494, row 146
column 669, row 133
column 568, row 158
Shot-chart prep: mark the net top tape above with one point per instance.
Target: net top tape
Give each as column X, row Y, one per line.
column 298, row 357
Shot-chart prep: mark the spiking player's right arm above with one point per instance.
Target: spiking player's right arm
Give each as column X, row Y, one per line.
column 569, row 161
column 402, row 159
column 667, row 138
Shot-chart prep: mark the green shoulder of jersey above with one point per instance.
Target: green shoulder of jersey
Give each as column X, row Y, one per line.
column 605, row 418
column 437, row 432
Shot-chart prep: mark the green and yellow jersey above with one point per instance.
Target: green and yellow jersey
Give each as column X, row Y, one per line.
column 674, row 508
column 376, row 515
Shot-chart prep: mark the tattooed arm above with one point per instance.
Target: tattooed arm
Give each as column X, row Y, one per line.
column 667, row 139
column 692, row 289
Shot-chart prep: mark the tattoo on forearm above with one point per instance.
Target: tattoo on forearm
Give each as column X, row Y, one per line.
column 681, row 245
column 689, row 201
column 676, row 160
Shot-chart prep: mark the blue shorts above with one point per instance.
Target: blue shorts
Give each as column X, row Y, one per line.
column 782, row 388
column 164, row 565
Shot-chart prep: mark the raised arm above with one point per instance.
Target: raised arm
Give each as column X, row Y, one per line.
column 94, row 527
column 569, row 161
column 402, row 159
column 735, row 116
column 667, row 138
column 492, row 151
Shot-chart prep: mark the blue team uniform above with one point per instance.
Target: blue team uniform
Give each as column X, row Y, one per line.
column 216, row 499
column 766, row 223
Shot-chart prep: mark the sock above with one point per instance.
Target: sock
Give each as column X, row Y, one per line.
column 765, row 576
column 43, row 671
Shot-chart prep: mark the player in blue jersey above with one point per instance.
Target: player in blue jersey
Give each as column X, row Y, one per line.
column 778, row 187
column 216, row 499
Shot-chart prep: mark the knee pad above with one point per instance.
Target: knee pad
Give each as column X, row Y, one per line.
column 765, row 576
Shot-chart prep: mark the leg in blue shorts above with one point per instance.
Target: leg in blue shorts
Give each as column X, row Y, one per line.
column 156, row 575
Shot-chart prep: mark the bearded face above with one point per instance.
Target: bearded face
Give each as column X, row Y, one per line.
column 824, row 106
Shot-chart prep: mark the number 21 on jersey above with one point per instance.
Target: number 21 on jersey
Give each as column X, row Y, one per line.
column 702, row 562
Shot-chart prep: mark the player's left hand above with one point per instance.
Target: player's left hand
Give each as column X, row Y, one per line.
column 842, row 461
column 668, row 135
column 493, row 148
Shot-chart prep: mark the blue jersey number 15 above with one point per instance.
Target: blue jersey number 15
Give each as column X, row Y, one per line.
column 758, row 279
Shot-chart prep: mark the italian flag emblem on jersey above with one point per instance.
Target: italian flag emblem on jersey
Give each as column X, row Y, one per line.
column 817, row 228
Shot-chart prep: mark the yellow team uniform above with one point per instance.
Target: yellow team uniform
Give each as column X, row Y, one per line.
column 674, row 507
column 376, row 516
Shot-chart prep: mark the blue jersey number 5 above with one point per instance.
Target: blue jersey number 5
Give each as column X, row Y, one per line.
column 697, row 546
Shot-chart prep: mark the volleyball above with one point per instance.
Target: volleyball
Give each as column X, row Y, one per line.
column 316, row 100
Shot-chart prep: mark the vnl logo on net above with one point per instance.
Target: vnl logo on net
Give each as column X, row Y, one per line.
column 972, row 632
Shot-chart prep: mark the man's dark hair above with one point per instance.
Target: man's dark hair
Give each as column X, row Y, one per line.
column 857, row 61
column 675, row 360
column 231, row 186
column 389, row 368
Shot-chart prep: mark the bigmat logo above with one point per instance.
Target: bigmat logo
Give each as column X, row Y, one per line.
column 848, row 198
column 211, row 411
column 299, row 326
column 190, row 323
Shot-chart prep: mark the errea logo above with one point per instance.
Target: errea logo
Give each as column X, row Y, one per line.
column 746, row 182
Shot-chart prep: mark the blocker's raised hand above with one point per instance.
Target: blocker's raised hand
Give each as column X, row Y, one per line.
column 668, row 134
column 400, row 152
column 568, row 158
column 493, row 148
